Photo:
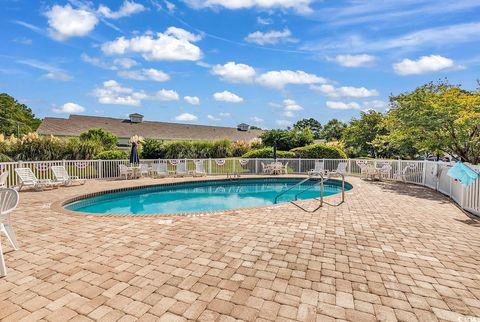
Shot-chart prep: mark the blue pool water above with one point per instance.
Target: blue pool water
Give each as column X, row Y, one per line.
column 201, row 196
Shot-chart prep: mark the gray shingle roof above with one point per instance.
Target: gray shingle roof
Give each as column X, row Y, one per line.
column 77, row 124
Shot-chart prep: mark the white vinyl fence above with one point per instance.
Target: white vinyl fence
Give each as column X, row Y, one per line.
column 426, row 173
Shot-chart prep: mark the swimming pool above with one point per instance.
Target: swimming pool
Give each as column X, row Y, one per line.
column 203, row 196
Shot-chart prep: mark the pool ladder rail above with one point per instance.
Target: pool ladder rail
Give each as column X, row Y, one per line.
column 322, row 189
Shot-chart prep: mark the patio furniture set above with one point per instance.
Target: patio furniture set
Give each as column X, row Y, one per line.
column 160, row 170
column 275, row 168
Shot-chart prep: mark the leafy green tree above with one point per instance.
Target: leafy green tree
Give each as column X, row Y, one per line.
column 361, row 133
column 106, row 139
column 439, row 118
column 287, row 139
column 333, row 130
column 312, row 124
column 16, row 118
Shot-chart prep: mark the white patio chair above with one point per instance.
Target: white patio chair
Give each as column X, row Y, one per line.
column 181, row 169
column 199, row 169
column 265, row 168
column 318, row 170
column 28, row 179
column 125, row 171
column 384, row 171
column 3, row 179
column 144, row 170
column 341, row 169
column 62, row 176
column 366, row 170
column 285, row 168
column 160, row 169
column 8, row 202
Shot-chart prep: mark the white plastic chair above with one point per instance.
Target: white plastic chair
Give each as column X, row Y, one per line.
column 199, row 169
column 3, row 179
column 8, row 202
column 125, row 171
column 285, row 168
column 28, row 179
column 160, row 169
column 144, row 170
column 62, row 176
column 341, row 169
column 319, row 169
column 181, row 169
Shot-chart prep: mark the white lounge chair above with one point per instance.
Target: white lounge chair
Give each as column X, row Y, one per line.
column 144, row 170
column 28, row 179
column 3, row 179
column 341, row 169
column 160, row 170
column 8, row 202
column 265, row 168
column 318, row 170
column 285, row 168
column 181, row 169
column 62, row 176
column 125, row 171
column 199, row 169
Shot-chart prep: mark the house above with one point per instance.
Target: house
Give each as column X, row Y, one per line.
column 136, row 125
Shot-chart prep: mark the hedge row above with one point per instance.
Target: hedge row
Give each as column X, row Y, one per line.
column 313, row 151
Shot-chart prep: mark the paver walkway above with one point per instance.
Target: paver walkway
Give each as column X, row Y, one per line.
column 390, row 252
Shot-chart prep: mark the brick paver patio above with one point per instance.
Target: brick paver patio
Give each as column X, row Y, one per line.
column 391, row 252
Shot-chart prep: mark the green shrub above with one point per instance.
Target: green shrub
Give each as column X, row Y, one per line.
column 239, row 148
column 268, row 153
column 81, row 150
column 34, row 148
column 152, row 149
column 112, row 155
column 106, row 139
column 5, row 158
column 319, row 151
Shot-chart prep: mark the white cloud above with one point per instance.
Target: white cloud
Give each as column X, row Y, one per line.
column 220, row 116
column 425, row 64
column 227, row 96
column 270, row 37
column 343, row 106
column 145, row 74
column 186, row 117
column 126, row 63
column 264, row 21
column 279, row 79
column 345, row 91
column 173, row 44
column 291, row 105
column 355, row 60
column 128, row 8
column 233, row 72
column 65, row 22
column 257, row 119
column 95, row 61
column 69, row 108
column 113, row 93
column 194, row 100
column 166, row 95
column 58, row 75
column 301, row 6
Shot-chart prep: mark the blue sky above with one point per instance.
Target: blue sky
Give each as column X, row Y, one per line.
column 223, row 62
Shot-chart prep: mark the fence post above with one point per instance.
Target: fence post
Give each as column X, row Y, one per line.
column 100, row 169
column 299, row 165
column 209, row 165
column 256, row 165
column 424, row 174
column 233, row 167
column 349, row 166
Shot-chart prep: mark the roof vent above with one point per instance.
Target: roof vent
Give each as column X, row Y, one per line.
column 243, row 127
column 136, row 118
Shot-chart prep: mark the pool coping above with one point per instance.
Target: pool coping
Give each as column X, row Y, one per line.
column 59, row 206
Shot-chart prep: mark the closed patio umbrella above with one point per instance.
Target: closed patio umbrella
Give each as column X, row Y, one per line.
column 134, row 159
column 275, row 151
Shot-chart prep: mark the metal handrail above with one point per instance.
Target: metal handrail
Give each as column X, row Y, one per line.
column 285, row 191
column 321, row 181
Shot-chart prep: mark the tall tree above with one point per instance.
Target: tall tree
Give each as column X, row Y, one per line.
column 287, row 139
column 360, row 134
column 16, row 118
column 333, row 130
column 439, row 118
column 312, row 124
